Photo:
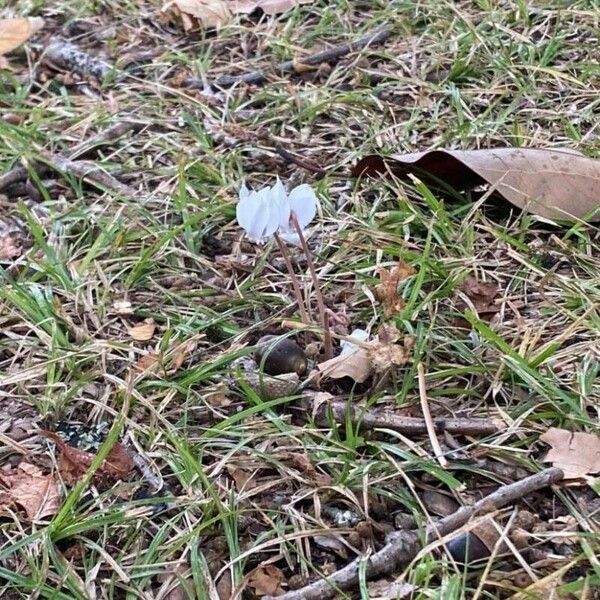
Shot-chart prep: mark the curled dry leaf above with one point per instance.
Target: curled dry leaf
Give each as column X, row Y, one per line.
column 148, row 362
column 14, row 32
column 196, row 14
column 142, row 332
column 27, row 487
column 354, row 364
column 387, row 290
column 11, row 245
column 379, row 355
column 199, row 13
column 576, row 453
column 73, row 463
column 555, row 184
column 481, row 295
column 386, row 353
column 266, row 580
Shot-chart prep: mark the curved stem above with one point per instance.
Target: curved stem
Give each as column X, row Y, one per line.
column 328, row 346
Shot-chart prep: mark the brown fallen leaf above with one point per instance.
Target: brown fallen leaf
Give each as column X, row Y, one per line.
column 555, row 184
column 576, row 453
column 26, row 486
column 196, row 14
column 385, row 352
column 14, row 32
column 73, row 462
column 148, row 362
column 11, row 244
column 354, row 364
column 387, row 290
column 142, row 332
column 266, row 580
column 481, row 295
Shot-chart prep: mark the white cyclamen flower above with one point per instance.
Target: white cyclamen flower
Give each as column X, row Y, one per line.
column 269, row 210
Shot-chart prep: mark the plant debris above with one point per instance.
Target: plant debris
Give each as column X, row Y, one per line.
column 552, row 183
column 576, row 453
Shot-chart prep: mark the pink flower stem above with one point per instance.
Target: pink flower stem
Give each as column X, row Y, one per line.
column 328, row 346
column 295, row 283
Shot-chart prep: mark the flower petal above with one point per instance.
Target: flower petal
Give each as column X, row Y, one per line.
column 303, row 201
column 290, row 237
column 280, row 200
column 253, row 216
column 244, row 191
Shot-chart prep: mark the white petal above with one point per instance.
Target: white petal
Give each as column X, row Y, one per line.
column 303, row 201
column 280, row 200
column 244, row 191
column 290, row 237
column 347, row 346
column 253, row 217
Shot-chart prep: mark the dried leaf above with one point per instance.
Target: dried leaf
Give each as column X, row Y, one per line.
column 143, row 332
column 381, row 589
column 11, row 243
column 203, row 13
column 481, row 295
column 14, row 32
column 73, row 463
column 148, row 362
column 556, row 184
column 37, row 494
column 576, row 453
column 387, row 290
column 216, row 13
column 182, row 351
column 266, row 580
column 385, row 353
column 354, row 364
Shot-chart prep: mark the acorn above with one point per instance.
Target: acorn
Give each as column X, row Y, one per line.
column 277, row 356
column 475, row 545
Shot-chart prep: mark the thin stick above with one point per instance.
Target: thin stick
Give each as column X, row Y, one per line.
column 295, row 66
column 411, row 426
column 295, row 283
column 301, row 162
column 328, row 345
column 435, row 444
column 403, row 546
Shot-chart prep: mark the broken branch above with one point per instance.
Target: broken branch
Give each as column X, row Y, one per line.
column 295, row 66
column 384, row 419
column 403, row 546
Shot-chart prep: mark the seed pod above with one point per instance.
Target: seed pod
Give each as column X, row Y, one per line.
column 279, row 356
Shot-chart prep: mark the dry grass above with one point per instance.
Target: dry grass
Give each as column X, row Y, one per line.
column 246, row 481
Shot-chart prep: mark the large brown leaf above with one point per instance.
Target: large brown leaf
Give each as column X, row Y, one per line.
column 556, row 184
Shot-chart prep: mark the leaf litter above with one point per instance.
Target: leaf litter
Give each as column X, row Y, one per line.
column 219, row 424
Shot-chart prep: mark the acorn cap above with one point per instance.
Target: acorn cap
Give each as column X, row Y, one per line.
column 277, row 356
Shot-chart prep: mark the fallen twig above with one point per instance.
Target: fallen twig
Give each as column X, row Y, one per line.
column 90, row 172
column 66, row 55
column 297, row 65
column 385, row 419
column 309, row 165
column 107, row 136
column 403, row 546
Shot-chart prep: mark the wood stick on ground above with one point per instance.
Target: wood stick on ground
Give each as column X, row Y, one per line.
column 309, row 165
column 385, row 419
column 294, row 66
column 90, row 172
column 403, row 546
column 66, row 55
column 435, row 444
column 107, row 136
